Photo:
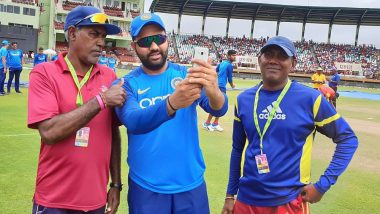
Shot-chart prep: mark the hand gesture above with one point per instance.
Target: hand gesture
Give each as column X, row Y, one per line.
column 310, row 194
column 185, row 94
column 205, row 75
column 116, row 95
column 113, row 200
column 228, row 207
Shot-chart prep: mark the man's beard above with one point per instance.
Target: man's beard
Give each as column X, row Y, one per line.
column 153, row 66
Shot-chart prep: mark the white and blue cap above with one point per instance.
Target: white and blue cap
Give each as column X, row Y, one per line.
column 5, row 42
column 144, row 19
column 283, row 43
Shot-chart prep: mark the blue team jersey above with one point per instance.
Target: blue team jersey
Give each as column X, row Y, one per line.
column 3, row 53
column 112, row 62
column 336, row 78
column 224, row 70
column 103, row 60
column 287, row 145
column 55, row 57
column 164, row 155
column 14, row 59
column 40, row 58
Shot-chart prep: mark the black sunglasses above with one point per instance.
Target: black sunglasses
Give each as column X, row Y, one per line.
column 146, row 42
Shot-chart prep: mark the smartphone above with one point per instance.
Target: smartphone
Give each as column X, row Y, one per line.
column 200, row 53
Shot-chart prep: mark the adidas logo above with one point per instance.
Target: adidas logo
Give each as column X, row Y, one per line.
column 278, row 115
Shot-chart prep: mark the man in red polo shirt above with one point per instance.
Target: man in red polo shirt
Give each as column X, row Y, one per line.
column 72, row 108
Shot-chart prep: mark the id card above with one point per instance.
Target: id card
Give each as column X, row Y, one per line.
column 81, row 139
column 262, row 163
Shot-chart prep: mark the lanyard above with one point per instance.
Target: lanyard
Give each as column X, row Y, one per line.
column 271, row 115
column 79, row 85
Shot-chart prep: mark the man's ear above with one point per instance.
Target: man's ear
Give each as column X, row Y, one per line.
column 72, row 33
column 294, row 63
column 133, row 45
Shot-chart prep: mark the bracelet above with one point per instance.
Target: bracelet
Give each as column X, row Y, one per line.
column 174, row 109
column 230, row 197
column 101, row 94
column 117, row 186
column 100, row 101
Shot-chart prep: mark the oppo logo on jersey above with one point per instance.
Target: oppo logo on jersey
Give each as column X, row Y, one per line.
column 146, row 102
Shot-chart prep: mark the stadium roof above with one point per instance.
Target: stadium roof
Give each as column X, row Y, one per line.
column 269, row 12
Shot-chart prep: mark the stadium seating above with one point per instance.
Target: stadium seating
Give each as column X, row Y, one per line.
column 59, row 25
column 28, row 2
column 113, row 11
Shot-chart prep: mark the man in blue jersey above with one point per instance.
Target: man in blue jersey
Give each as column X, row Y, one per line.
column 166, row 166
column 55, row 57
column 112, row 61
column 15, row 61
column 40, row 57
column 333, row 83
column 3, row 65
column 279, row 118
column 103, row 59
column 224, row 70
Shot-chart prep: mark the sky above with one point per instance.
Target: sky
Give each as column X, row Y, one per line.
column 316, row 32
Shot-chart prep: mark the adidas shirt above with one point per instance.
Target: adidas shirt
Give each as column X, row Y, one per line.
column 287, row 144
column 164, row 155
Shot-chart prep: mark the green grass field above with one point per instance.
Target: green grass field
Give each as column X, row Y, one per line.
column 357, row 190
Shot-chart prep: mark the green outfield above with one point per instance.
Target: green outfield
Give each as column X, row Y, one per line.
column 357, row 190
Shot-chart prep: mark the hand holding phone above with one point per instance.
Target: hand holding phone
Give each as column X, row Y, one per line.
column 200, row 53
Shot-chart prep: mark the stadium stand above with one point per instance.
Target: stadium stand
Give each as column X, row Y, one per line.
column 28, row 2
column 113, row 11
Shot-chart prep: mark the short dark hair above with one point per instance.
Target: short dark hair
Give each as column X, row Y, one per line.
column 14, row 43
column 41, row 48
column 231, row 52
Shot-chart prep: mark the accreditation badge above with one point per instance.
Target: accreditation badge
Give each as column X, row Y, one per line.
column 82, row 137
column 262, row 163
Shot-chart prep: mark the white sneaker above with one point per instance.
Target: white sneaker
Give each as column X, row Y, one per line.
column 217, row 128
column 208, row 127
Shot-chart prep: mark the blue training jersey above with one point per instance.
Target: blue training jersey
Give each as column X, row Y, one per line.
column 40, row 58
column 224, row 70
column 164, row 155
column 112, row 62
column 336, row 78
column 103, row 60
column 14, row 59
column 3, row 53
column 55, row 57
column 287, row 145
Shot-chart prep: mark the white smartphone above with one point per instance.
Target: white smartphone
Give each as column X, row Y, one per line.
column 200, row 53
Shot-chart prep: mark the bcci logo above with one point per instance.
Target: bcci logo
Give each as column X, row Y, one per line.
column 146, row 16
column 175, row 82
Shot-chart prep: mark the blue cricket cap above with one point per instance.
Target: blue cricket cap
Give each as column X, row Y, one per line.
column 5, row 42
column 283, row 43
column 144, row 19
column 81, row 16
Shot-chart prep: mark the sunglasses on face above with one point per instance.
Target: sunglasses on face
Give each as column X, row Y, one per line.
column 146, row 42
column 99, row 18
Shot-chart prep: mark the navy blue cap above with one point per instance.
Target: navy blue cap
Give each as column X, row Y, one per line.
column 5, row 42
column 144, row 19
column 77, row 17
column 283, row 43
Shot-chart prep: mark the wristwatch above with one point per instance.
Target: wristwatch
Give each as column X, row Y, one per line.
column 117, row 186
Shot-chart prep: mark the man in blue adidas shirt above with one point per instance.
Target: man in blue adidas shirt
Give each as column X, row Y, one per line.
column 224, row 70
column 279, row 118
column 166, row 166
column 103, row 59
column 14, row 63
column 40, row 57
column 3, row 65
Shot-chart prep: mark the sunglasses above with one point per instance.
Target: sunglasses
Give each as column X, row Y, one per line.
column 99, row 18
column 146, row 42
